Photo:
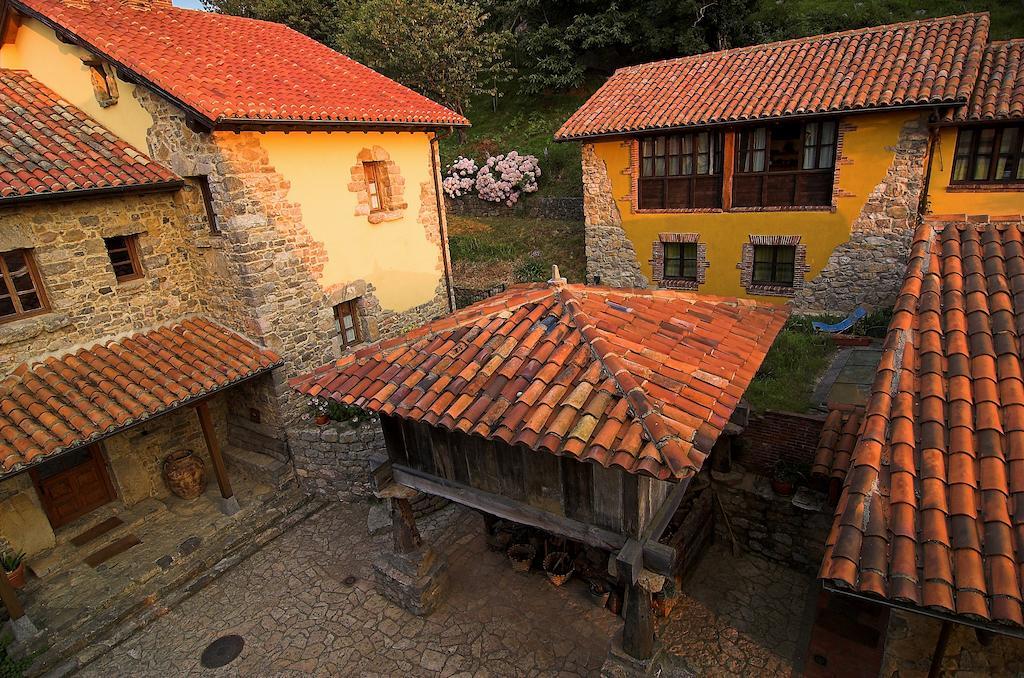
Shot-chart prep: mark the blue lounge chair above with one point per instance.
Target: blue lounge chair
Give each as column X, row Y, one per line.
column 844, row 324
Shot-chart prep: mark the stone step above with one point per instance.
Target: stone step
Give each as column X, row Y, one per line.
column 259, row 467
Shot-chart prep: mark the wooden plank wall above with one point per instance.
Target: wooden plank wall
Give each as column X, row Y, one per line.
column 589, row 493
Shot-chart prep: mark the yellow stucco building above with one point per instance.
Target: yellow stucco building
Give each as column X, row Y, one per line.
column 791, row 171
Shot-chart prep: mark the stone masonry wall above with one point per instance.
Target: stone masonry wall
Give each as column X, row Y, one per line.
column 333, row 460
column 610, row 254
column 910, row 644
column 769, row 525
column 868, row 269
column 87, row 301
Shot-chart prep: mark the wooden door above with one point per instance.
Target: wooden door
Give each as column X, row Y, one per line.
column 73, row 485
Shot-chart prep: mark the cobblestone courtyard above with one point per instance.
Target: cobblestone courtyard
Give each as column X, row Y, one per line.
column 298, row 616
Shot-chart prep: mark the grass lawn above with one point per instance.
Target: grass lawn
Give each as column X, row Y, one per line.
column 491, row 250
column 791, row 369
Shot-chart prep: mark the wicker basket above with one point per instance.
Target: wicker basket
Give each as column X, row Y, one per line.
column 553, row 558
column 521, row 556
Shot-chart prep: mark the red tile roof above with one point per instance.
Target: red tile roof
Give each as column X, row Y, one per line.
column 932, row 512
column 49, row 147
column 61, row 402
column 642, row 380
column 999, row 91
column 927, row 62
column 229, row 68
column 835, row 446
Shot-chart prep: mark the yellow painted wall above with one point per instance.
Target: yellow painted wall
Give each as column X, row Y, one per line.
column 396, row 256
column 868, row 153
column 942, row 201
column 36, row 49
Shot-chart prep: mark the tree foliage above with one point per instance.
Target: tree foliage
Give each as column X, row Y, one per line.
column 437, row 47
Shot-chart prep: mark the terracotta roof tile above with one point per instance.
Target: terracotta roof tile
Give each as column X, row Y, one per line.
column 231, row 68
column 926, row 62
column 998, row 93
column 653, row 402
column 935, row 491
column 60, row 402
column 49, row 147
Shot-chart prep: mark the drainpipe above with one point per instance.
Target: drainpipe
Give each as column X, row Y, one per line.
column 442, row 218
column 933, row 142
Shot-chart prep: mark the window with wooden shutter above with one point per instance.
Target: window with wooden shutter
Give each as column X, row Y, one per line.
column 785, row 165
column 990, row 155
column 680, row 171
column 21, row 289
column 376, row 186
column 123, row 251
column 346, row 323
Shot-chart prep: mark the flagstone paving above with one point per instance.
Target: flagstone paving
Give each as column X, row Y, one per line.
column 298, row 615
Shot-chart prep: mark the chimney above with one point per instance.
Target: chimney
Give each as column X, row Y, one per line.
column 556, row 279
column 147, row 5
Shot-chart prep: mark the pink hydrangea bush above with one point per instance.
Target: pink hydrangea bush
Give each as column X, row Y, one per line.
column 502, row 178
column 460, row 177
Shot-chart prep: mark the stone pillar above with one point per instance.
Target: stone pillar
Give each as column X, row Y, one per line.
column 413, row 575
column 635, row 650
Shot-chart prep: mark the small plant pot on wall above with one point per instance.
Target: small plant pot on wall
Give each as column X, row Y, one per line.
column 185, row 474
column 14, row 568
column 322, row 419
column 786, row 476
column 521, row 556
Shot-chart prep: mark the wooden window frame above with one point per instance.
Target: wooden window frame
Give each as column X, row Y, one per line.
column 37, row 287
column 353, row 311
column 132, row 248
column 203, row 181
column 682, row 258
column 694, row 178
column 372, row 170
column 774, row 281
column 971, row 157
column 743, row 148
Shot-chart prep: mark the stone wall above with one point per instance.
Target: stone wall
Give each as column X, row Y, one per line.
column 333, row 460
column 770, row 436
column 87, row 301
column 769, row 525
column 611, row 258
column 569, row 208
column 910, row 644
column 868, row 269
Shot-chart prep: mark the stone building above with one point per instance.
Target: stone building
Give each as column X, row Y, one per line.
column 791, row 171
column 193, row 208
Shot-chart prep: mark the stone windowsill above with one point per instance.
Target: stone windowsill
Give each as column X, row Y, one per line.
column 380, row 217
column 133, row 284
column 771, row 290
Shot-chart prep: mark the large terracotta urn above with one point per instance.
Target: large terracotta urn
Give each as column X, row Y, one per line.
column 185, row 474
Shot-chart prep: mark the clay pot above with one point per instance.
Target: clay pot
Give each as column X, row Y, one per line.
column 17, row 578
column 521, row 556
column 558, row 567
column 185, row 474
column 322, row 419
column 599, row 592
column 783, row 488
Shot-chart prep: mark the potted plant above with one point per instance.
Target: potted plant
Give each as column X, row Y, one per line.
column 785, row 477
column 320, row 409
column 14, row 567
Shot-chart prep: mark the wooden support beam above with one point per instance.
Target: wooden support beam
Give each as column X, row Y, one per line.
column 728, row 167
column 220, row 470
column 10, row 598
column 403, row 524
column 657, row 558
column 659, row 523
column 638, row 630
column 940, row 649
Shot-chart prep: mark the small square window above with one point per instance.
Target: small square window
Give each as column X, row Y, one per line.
column 680, row 260
column 346, row 323
column 774, row 265
column 21, row 289
column 123, row 251
column 376, row 175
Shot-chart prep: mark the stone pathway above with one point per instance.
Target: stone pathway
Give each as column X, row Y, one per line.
column 742, row 616
column 299, row 616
